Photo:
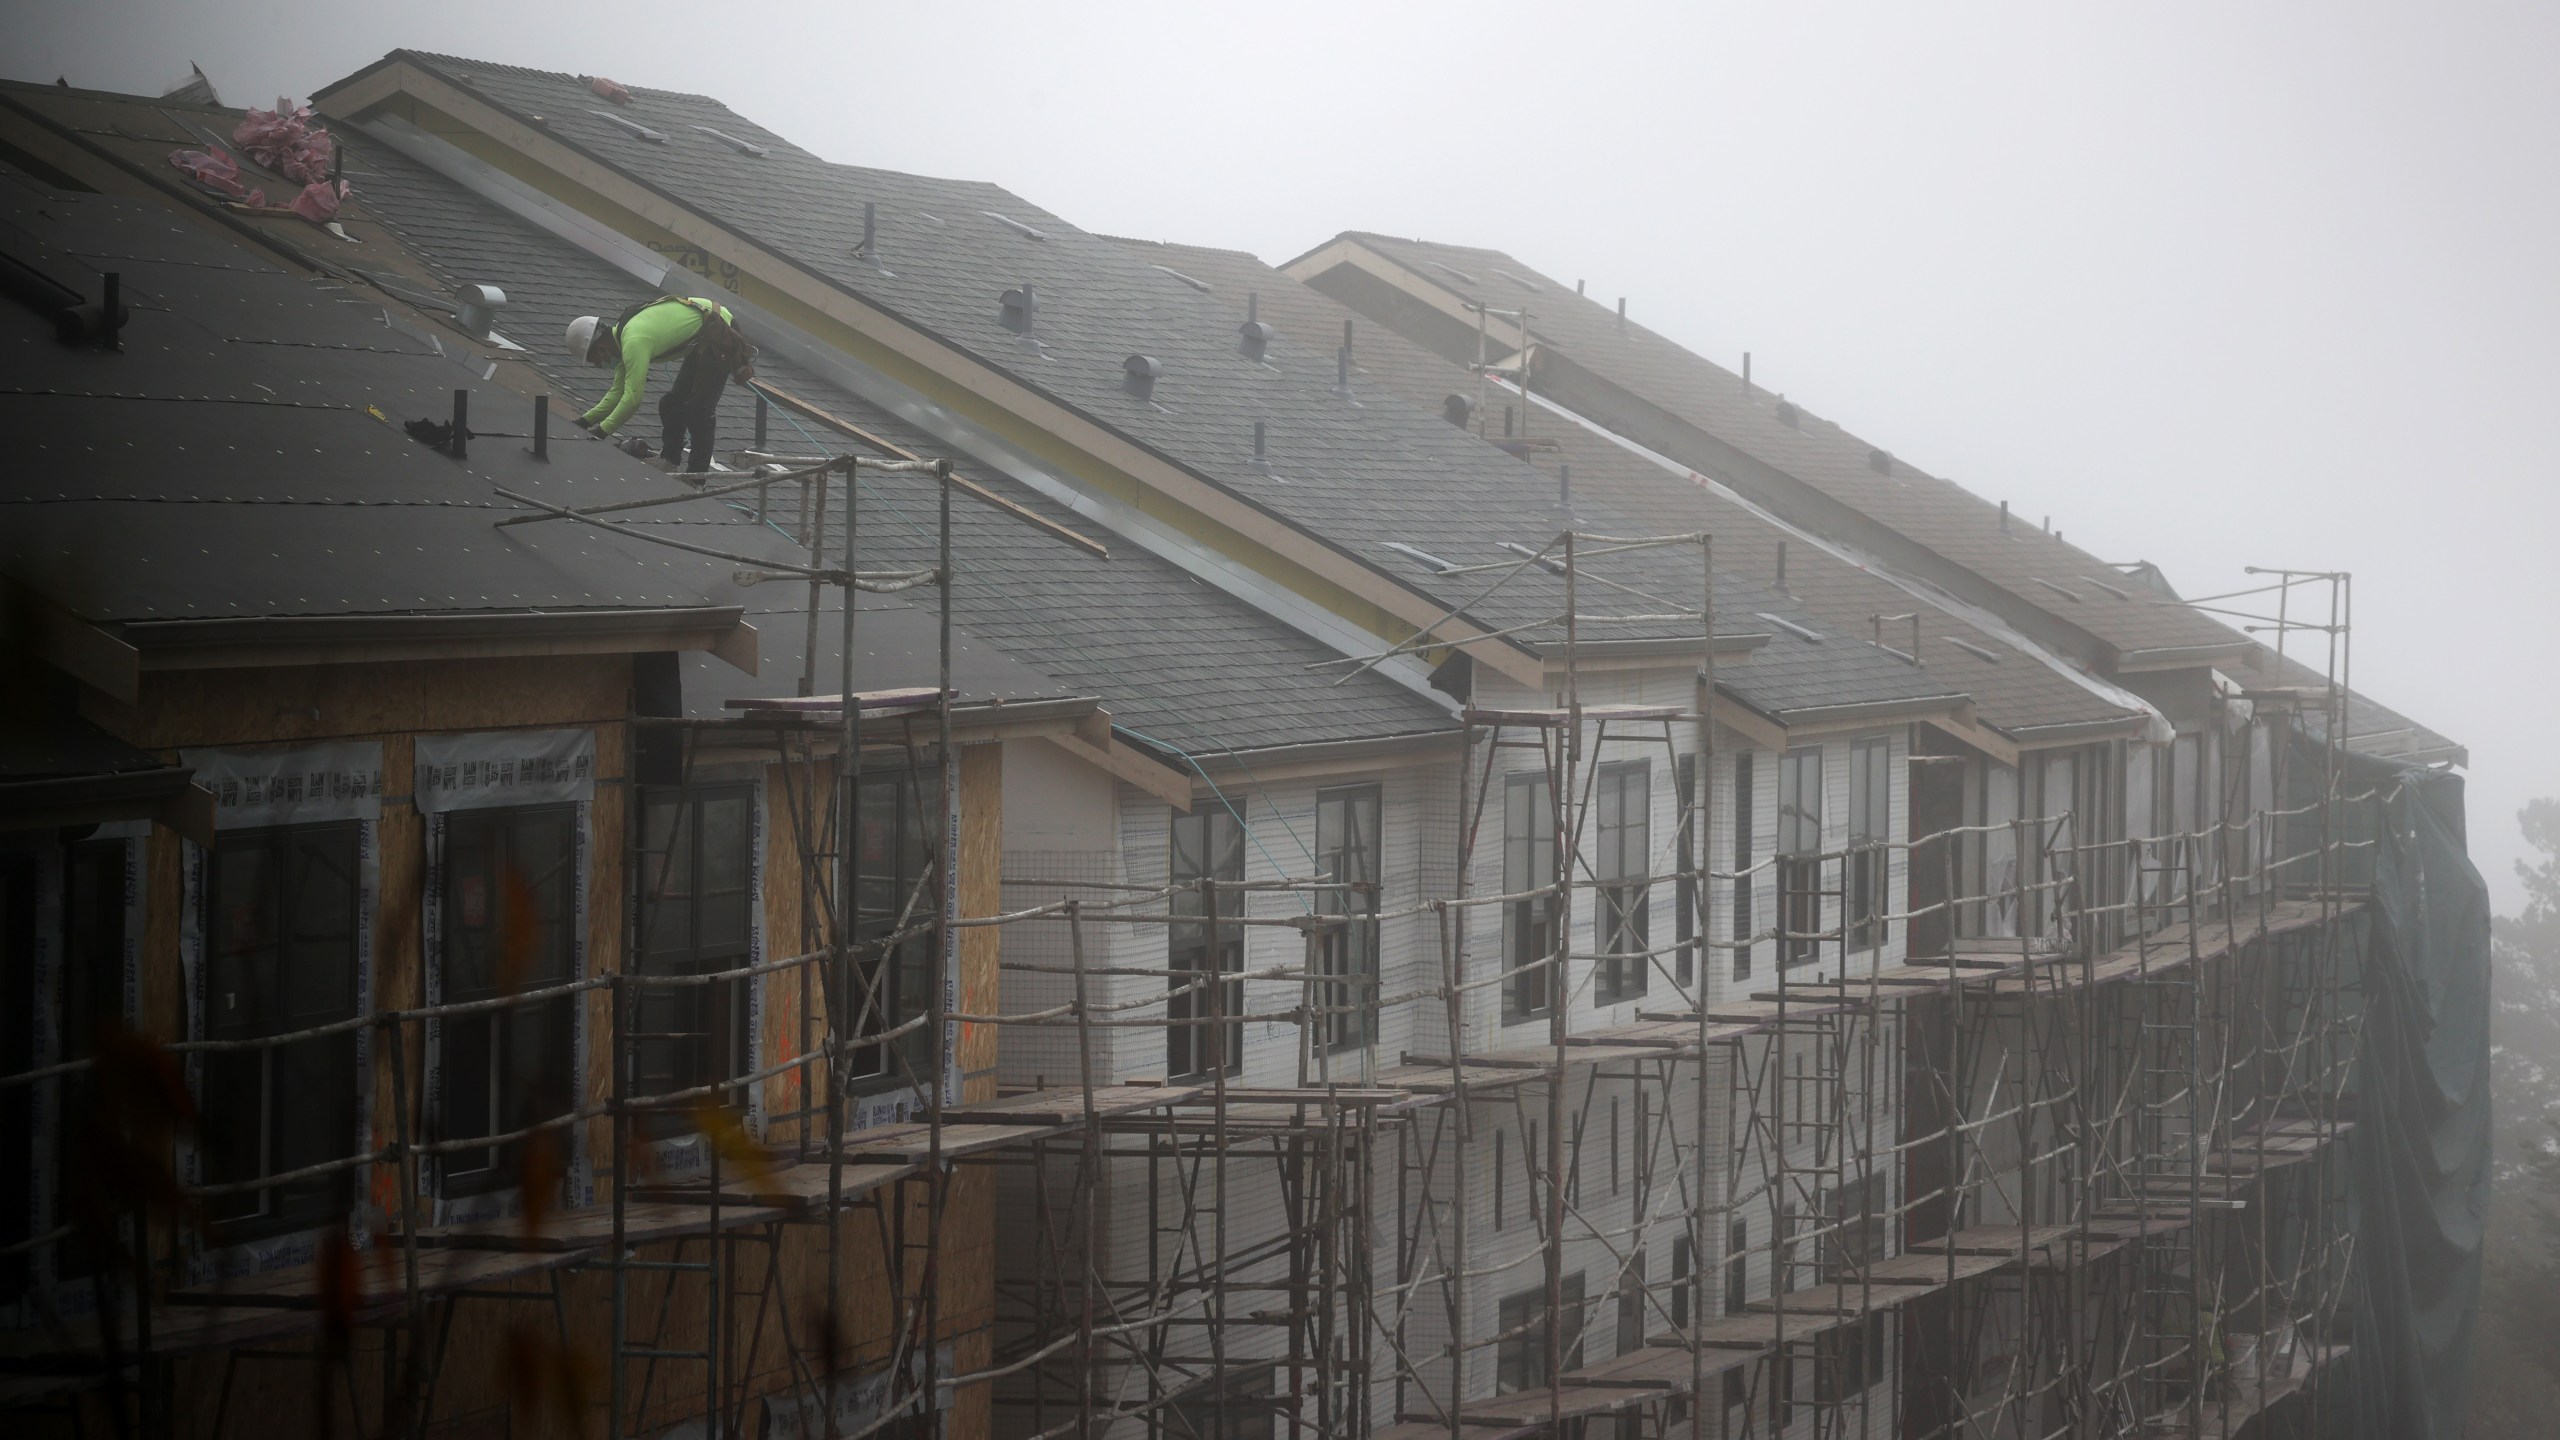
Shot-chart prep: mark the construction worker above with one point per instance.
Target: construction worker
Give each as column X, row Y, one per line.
column 699, row 330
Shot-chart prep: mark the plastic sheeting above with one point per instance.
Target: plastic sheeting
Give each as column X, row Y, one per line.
column 2417, row 1161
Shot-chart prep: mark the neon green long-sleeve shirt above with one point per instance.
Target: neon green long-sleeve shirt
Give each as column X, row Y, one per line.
column 659, row 330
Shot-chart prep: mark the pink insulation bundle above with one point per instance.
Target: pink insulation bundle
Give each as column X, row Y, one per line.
column 285, row 140
column 214, row 168
column 318, row 202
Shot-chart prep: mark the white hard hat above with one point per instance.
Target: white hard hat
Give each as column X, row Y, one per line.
column 582, row 335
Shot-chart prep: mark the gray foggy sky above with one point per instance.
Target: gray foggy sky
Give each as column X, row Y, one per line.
column 2210, row 284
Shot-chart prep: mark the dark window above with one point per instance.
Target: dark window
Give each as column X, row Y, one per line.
column 1848, row 1360
column 1528, row 925
column 1520, row 1359
column 1686, row 892
column 1622, row 866
column 17, row 1052
column 1239, row 1407
column 894, row 896
column 1208, row 844
column 1737, row 1271
column 93, row 940
column 280, row 956
column 510, row 902
column 1870, row 808
column 1743, row 859
column 1631, row 1306
column 1347, row 855
column 1799, row 855
column 1858, row 1233
column 693, row 920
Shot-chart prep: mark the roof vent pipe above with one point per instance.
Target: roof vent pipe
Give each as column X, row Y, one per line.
column 1622, row 314
column 478, row 311
column 1253, row 338
column 1138, row 375
column 1577, row 287
column 1787, row 414
column 870, row 231
column 1261, row 452
column 2004, row 517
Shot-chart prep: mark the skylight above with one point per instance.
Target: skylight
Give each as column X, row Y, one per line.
column 1014, row 225
column 1454, row 270
column 1203, row 286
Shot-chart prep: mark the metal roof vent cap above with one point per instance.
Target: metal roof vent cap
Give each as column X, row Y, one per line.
column 1880, row 462
column 1254, row 337
column 1458, row 410
column 1017, row 307
column 478, row 309
column 1787, row 414
column 1138, row 375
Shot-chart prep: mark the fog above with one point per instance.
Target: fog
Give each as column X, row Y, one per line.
column 2210, row 285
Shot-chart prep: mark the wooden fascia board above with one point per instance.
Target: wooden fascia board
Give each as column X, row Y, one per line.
column 70, row 644
column 947, row 363
column 1883, row 717
column 735, row 644
column 1350, row 763
column 1756, row 729
column 1120, row 762
column 1981, row 737
column 1507, row 334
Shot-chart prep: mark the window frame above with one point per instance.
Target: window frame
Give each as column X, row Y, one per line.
column 1745, row 847
column 279, row 1107
column 1622, row 867
column 1870, row 864
column 1350, row 949
column 713, row 1017
column 550, row 1024
column 1520, row 1361
column 1529, row 924
column 1799, row 864
column 1213, row 939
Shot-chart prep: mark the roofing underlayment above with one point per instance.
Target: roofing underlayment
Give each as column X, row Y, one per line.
column 1928, row 511
column 239, row 468
column 2011, row 691
column 1343, row 472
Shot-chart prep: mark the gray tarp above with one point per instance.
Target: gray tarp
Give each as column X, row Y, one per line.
column 2418, row 1158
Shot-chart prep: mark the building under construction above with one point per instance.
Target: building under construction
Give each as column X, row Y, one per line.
column 1168, row 847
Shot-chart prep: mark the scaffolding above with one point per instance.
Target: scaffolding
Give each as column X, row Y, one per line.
column 2076, row 1180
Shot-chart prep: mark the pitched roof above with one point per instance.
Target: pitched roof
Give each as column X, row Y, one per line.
column 1174, row 659
column 1937, row 514
column 240, row 461
column 2012, row 690
column 1346, row 474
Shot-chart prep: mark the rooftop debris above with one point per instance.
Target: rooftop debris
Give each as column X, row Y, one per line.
column 610, row 90
column 285, row 141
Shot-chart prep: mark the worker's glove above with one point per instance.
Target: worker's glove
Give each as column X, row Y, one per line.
column 585, row 424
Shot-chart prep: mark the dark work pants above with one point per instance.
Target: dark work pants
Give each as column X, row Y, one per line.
column 691, row 409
